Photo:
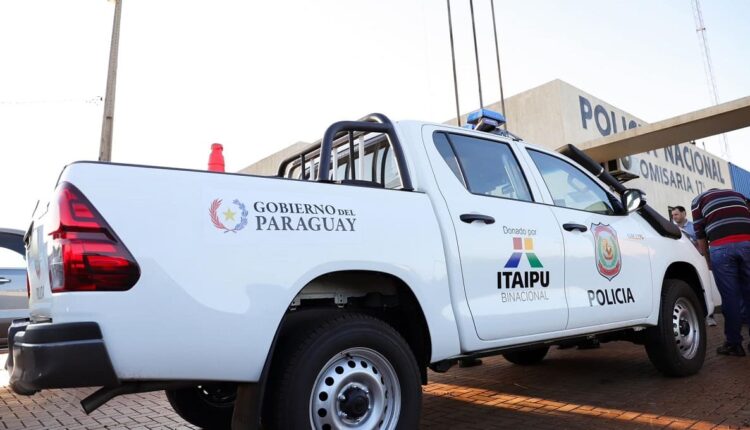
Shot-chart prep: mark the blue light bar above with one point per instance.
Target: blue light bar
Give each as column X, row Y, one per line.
column 485, row 120
column 475, row 116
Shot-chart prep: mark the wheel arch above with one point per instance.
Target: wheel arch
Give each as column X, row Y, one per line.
column 323, row 290
column 376, row 292
column 687, row 272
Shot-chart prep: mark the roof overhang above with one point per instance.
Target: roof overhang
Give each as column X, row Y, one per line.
column 680, row 129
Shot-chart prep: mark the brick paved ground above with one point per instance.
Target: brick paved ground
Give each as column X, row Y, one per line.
column 614, row 387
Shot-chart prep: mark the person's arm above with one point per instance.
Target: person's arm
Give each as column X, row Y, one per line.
column 703, row 249
column 690, row 230
column 700, row 233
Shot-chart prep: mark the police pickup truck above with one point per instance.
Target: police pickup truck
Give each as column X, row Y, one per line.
column 319, row 298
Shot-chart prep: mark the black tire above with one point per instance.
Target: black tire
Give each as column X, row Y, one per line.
column 208, row 406
column 328, row 359
column 677, row 346
column 527, row 357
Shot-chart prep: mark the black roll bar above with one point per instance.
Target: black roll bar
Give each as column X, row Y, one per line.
column 346, row 131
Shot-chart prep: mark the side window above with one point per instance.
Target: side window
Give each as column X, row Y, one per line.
column 11, row 251
column 484, row 167
column 570, row 187
column 445, row 150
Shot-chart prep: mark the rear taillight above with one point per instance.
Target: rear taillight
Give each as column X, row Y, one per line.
column 85, row 253
column 28, row 287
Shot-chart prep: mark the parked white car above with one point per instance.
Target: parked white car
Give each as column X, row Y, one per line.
column 14, row 301
column 320, row 298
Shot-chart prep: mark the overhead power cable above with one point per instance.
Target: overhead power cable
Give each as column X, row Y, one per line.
column 91, row 100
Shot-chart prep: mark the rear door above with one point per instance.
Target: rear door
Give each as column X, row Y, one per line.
column 14, row 302
column 607, row 263
column 510, row 247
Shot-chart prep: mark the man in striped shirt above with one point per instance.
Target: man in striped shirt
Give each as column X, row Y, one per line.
column 722, row 223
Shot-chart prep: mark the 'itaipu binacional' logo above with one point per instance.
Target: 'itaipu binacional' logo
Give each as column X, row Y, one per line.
column 607, row 249
column 520, row 285
column 523, row 246
column 235, row 220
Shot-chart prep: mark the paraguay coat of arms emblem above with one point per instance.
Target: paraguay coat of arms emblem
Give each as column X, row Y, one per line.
column 607, row 250
column 220, row 219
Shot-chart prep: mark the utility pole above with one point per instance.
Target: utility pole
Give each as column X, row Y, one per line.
column 105, row 146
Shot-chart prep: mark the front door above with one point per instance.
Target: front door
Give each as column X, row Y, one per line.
column 607, row 263
column 511, row 248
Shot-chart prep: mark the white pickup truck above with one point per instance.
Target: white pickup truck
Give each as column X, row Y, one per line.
column 319, row 298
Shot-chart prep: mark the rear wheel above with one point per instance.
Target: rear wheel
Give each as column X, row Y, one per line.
column 208, row 406
column 353, row 371
column 527, row 357
column 677, row 346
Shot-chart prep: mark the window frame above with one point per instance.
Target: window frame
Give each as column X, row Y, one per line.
column 463, row 179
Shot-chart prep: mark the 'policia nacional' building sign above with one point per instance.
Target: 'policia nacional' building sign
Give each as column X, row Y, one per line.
column 682, row 167
column 670, row 176
column 702, row 168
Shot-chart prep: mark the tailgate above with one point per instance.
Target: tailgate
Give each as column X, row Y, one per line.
column 38, row 270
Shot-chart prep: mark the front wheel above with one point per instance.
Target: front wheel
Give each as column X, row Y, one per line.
column 208, row 406
column 354, row 371
column 677, row 346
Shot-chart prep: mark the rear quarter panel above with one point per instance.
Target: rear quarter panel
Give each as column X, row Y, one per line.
column 209, row 300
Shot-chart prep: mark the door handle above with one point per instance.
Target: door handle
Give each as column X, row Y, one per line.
column 572, row 226
column 4, row 280
column 470, row 218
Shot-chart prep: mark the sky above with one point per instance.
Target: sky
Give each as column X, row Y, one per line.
column 258, row 76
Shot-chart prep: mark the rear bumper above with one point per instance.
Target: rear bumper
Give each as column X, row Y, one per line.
column 52, row 355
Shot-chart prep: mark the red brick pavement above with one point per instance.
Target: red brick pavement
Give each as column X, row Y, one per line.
column 614, row 387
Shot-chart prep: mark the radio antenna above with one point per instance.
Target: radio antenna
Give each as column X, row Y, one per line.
column 476, row 53
column 700, row 29
column 453, row 58
column 497, row 57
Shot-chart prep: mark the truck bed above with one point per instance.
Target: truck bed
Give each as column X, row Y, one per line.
column 222, row 257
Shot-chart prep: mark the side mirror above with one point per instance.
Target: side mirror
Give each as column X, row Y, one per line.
column 632, row 199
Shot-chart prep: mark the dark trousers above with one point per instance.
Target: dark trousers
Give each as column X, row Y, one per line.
column 731, row 267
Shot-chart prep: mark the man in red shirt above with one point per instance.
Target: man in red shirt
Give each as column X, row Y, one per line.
column 722, row 223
